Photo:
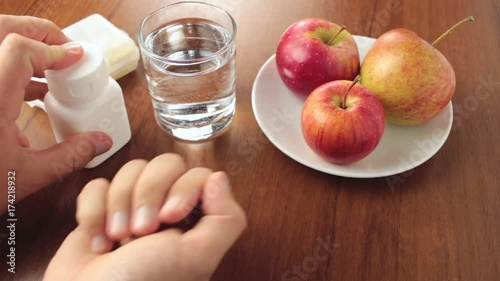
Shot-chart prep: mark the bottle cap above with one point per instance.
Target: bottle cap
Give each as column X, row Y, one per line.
column 121, row 55
column 84, row 80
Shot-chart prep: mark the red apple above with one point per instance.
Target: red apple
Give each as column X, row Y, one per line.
column 312, row 52
column 342, row 121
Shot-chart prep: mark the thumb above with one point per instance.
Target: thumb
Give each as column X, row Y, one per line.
column 24, row 58
column 74, row 153
column 218, row 230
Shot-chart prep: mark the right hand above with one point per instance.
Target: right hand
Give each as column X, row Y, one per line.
column 28, row 46
column 141, row 196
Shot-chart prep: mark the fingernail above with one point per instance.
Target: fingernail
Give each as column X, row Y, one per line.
column 99, row 244
column 222, row 182
column 144, row 217
column 102, row 147
column 102, row 141
column 171, row 204
column 119, row 223
column 73, row 47
column 217, row 185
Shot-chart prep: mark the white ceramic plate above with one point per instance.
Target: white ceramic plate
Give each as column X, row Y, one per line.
column 278, row 111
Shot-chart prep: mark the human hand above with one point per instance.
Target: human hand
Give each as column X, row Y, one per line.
column 28, row 46
column 140, row 197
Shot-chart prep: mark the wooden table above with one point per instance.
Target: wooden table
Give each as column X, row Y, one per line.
column 442, row 222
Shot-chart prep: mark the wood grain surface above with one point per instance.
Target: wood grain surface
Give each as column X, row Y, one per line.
column 439, row 222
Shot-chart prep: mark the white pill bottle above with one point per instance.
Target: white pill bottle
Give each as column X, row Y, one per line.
column 83, row 97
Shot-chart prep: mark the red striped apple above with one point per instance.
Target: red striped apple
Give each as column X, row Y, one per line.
column 312, row 52
column 342, row 121
column 412, row 79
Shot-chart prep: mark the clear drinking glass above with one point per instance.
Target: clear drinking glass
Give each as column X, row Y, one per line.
column 188, row 50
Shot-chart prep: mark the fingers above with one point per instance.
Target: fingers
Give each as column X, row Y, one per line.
column 52, row 164
column 120, row 199
column 31, row 27
column 91, row 215
column 23, row 58
column 184, row 195
column 152, row 187
column 223, row 223
column 162, row 184
column 139, row 190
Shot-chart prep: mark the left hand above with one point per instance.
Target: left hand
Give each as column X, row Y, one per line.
column 141, row 196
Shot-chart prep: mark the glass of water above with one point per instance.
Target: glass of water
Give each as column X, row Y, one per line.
column 188, row 50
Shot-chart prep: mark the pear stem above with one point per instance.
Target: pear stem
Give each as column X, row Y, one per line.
column 449, row 31
column 344, row 100
column 342, row 28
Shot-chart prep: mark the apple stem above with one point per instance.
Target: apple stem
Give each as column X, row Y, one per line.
column 449, row 31
column 344, row 100
column 342, row 28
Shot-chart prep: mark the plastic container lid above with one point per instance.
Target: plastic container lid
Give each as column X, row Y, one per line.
column 121, row 55
column 120, row 52
column 84, row 80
